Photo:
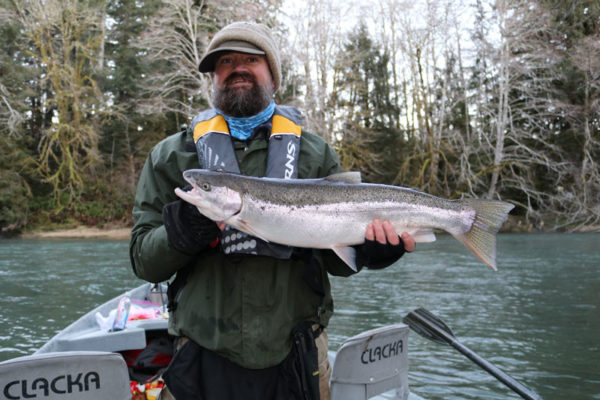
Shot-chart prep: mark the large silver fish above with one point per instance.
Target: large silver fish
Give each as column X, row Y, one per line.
column 333, row 212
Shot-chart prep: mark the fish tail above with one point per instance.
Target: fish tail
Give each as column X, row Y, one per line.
column 481, row 238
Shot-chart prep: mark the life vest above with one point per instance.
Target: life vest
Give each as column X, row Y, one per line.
column 216, row 152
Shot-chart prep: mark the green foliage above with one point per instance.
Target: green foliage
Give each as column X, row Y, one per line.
column 15, row 192
column 81, row 99
column 104, row 204
column 101, row 204
column 14, row 201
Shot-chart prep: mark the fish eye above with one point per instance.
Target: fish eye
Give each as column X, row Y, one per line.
column 206, row 187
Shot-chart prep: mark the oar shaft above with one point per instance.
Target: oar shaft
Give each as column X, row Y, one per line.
column 431, row 327
column 503, row 377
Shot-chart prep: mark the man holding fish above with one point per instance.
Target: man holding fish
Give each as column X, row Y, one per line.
column 249, row 314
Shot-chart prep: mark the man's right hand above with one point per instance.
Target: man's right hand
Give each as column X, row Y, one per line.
column 188, row 230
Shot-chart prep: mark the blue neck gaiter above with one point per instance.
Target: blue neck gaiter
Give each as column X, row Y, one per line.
column 241, row 128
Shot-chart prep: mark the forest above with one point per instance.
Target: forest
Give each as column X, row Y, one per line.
column 457, row 98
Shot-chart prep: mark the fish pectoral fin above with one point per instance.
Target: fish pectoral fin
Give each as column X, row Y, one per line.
column 241, row 225
column 347, row 254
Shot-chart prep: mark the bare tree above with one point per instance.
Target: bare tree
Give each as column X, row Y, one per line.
column 388, row 22
column 317, row 36
column 424, row 57
column 524, row 108
column 175, row 42
column 580, row 206
column 10, row 117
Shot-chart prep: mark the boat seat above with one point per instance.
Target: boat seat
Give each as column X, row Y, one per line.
column 81, row 375
column 372, row 363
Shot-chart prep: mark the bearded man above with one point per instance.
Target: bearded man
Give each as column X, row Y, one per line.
column 249, row 316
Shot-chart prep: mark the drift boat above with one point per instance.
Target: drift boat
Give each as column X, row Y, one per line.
column 89, row 360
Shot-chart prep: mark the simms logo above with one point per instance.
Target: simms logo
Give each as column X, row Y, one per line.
column 372, row 355
column 38, row 388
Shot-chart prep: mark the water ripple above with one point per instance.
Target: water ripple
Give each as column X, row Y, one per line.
column 536, row 317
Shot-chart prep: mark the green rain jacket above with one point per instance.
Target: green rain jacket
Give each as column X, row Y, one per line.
column 242, row 307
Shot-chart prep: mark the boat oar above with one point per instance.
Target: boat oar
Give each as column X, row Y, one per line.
column 431, row 327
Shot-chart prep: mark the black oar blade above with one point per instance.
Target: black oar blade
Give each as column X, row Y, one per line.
column 429, row 326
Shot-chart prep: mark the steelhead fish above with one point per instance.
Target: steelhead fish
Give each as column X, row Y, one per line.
column 333, row 212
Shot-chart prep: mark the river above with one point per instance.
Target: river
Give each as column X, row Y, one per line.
column 537, row 317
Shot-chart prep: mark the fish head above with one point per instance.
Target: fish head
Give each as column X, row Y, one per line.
column 213, row 197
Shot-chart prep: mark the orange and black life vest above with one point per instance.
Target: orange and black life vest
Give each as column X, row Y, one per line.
column 216, row 152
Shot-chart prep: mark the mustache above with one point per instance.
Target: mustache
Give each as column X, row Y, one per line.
column 237, row 75
column 242, row 103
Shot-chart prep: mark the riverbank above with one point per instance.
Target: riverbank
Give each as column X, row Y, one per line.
column 81, row 232
column 513, row 225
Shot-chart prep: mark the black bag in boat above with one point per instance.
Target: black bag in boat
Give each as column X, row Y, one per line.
column 196, row 373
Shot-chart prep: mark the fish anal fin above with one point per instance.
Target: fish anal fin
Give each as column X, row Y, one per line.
column 423, row 236
column 420, row 235
column 347, row 254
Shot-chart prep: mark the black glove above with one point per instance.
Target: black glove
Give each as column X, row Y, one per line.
column 188, row 230
column 375, row 255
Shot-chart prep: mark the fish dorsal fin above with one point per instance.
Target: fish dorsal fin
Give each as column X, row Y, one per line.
column 345, row 177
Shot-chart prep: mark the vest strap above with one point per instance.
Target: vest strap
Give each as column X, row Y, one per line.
column 215, row 152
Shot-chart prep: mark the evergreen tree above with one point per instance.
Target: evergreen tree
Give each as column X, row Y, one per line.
column 15, row 192
column 369, row 140
column 128, row 135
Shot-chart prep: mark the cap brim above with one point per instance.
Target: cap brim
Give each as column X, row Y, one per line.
column 207, row 64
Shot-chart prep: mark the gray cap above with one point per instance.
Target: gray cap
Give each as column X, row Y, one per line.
column 244, row 37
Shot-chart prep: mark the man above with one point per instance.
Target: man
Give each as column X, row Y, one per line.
column 249, row 318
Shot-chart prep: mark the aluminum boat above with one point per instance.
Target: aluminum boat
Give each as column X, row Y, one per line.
column 90, row 360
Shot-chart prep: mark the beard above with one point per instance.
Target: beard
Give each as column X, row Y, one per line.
column 242, row 102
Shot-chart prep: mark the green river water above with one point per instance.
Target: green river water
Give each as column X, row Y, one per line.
column 537, row 317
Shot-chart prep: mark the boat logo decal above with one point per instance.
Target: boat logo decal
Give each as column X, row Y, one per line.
column 371, row 355
column 41, row 387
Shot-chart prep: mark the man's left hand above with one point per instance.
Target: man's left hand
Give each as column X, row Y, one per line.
column 382, row 246
column 384, row 233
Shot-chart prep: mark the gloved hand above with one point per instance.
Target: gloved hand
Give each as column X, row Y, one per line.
column 375, row 255
column 188, row 230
